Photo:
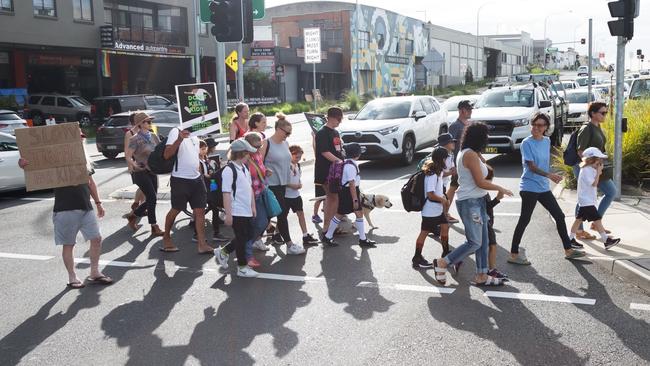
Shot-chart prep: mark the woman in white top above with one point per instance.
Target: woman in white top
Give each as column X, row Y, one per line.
column 470, row 203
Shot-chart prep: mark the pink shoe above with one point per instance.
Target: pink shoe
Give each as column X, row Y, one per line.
column 253, row 263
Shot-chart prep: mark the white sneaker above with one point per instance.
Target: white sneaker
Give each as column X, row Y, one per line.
column 221, row 258
column 295, row 249
column 259, row 245
column 246, row 271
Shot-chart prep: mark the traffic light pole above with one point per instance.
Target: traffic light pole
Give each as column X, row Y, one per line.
column 240, row 72
column 589, row 63
column 221, row 79
column 618, row 121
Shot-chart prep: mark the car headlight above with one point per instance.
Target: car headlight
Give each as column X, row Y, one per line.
column 388, row 130
column 521, row 122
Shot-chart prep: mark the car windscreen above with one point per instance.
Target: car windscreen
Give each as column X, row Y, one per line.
column 579, row 97
column 79, row 101
column 507, row 98
column 9, row 117
column 640, row 88
column 380, row 109
column 120, row 121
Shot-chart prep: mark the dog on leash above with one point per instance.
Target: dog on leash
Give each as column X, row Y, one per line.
column 368, row 202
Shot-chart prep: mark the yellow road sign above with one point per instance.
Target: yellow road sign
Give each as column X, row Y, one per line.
column 232, row 61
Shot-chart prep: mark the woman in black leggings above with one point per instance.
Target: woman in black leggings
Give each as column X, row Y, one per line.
column 534, row 187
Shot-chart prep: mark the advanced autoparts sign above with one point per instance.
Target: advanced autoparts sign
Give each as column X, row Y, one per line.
column 141, row 47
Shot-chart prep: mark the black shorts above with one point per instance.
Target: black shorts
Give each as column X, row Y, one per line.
column 454, row 181
column 319, row 191
column 295, row 204
column 430, row 224
column 492, row 236
column 588, row 213
column 188, row 190
column 346, row 206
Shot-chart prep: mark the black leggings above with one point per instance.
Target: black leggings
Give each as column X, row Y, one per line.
column 243, row 229
column 283, row 223
column 528, row 202
column 148, row 184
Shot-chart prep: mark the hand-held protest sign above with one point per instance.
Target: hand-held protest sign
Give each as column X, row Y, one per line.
column 198, row 108
column 55, row 154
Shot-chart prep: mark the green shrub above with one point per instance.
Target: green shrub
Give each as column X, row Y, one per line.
column 352, row 101
column 557, row 162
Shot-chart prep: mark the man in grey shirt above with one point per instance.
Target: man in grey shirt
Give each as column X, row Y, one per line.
column 456, row 129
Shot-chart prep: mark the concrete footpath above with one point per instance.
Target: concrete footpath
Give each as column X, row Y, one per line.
column 629, row 220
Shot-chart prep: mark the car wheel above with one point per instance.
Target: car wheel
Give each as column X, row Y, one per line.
column 37, row 118
column 84, row 120
column 110, row 155
column 408, row 150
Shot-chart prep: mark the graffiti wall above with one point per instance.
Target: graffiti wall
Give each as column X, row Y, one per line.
column 383, row 54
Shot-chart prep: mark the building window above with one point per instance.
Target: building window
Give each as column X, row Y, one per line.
column 364, row 39
column 6, row 5
column 203, row 29
column 408, row 47
column 45, row 8
column 396, row 45
column 82, row 10
column 504, row 58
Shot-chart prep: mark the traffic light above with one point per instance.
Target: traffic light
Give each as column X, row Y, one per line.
column 247, row 9
column 228, row 20
column 639, row 52
column 625, row 11
column 583, row 41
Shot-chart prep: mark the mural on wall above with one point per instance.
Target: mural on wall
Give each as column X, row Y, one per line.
column 386, row 51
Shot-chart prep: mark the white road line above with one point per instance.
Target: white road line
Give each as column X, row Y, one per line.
column 108, row 263
column 26, row 256
column 281, row 277
column 635, row 306
column 540, row 297
column 387, row 183
column 428, row 289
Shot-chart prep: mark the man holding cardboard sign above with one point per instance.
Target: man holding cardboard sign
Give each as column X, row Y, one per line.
column 54, row 157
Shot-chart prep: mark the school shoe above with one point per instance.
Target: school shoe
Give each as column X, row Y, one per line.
column 419, row 262
column 259, row 245
column 295, row 249
column 246, row 271
column 610, row 242
column 222, row 258
column 309, row 240
column 327, row 242
column 576, row 245
column 497, row 274
column 367, row 243
column 316, row 219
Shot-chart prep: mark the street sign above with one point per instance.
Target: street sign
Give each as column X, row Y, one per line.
column 232, row 61
column 551, row 49
column 204, row 10
column 258, row 9
column 312, row 45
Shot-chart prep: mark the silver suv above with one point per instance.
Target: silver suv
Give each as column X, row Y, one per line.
column 63, row 108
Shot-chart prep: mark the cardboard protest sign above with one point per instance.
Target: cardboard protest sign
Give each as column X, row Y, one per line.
column 55, row 154
column 316, row 121
column 198, row 108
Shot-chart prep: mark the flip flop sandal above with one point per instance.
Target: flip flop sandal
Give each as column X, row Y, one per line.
column 101, row 280
column 575, row 255
column 75, row 285
column 168, row 250
column 441, row 278
column 519, row 260
column 491, row 281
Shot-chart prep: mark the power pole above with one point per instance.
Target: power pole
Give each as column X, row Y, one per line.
column 589, row 60
column 221, row 78
column 240, row 72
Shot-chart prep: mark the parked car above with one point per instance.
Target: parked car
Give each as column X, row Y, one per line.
column 396, row 127
column 12, row 177
column 9, row 121
column 110, row 136
column 64, row 108
column 569, row 84
column 579, row 103
column 104, row 107
column 583, row 81
column 583, row 71
column 508, row 111
column 451, row 105
column 640, row 88
column 560, row 103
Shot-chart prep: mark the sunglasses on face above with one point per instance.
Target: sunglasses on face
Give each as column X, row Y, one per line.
column 604, row 113
column 285, row 131
column 539, row 125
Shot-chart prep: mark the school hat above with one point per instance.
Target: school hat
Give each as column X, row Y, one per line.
column 211, row 142
column 352, row 150
column 593, row 152
column 444, row 139
column 242, row 145
column 140, row 117
column 465, row 104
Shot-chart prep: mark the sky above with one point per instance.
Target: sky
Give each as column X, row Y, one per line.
column 564, row 19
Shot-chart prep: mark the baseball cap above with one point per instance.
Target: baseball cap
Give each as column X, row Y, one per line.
column 593, row 152
column 465, row 104
column 444, row 139
column 241, row 145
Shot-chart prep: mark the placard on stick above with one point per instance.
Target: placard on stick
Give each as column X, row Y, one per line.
column 55, row 154
column 198, row 108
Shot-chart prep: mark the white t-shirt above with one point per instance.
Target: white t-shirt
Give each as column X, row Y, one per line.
column 294, row 178
column 586, row 190
column 350, row 172
column 432, row 183
column 187, row 165
column 241, row 204
column 449, row 164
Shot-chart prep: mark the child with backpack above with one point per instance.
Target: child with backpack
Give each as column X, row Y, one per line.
column 292, row 196
column 492, row 236
column 590, row 170
column 434, row 210
column 349, row 196
column 239, row 204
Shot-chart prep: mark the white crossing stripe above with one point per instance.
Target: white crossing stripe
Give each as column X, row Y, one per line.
column 635, row 306
column 540, row 297
column 281, row 277
column 26, row 256
column 108, row 263
column 429, row 289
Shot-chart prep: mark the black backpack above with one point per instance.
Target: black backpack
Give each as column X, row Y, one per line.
column 413, row 192
column 157, row 162
column 218, row 193
column 570, row 154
